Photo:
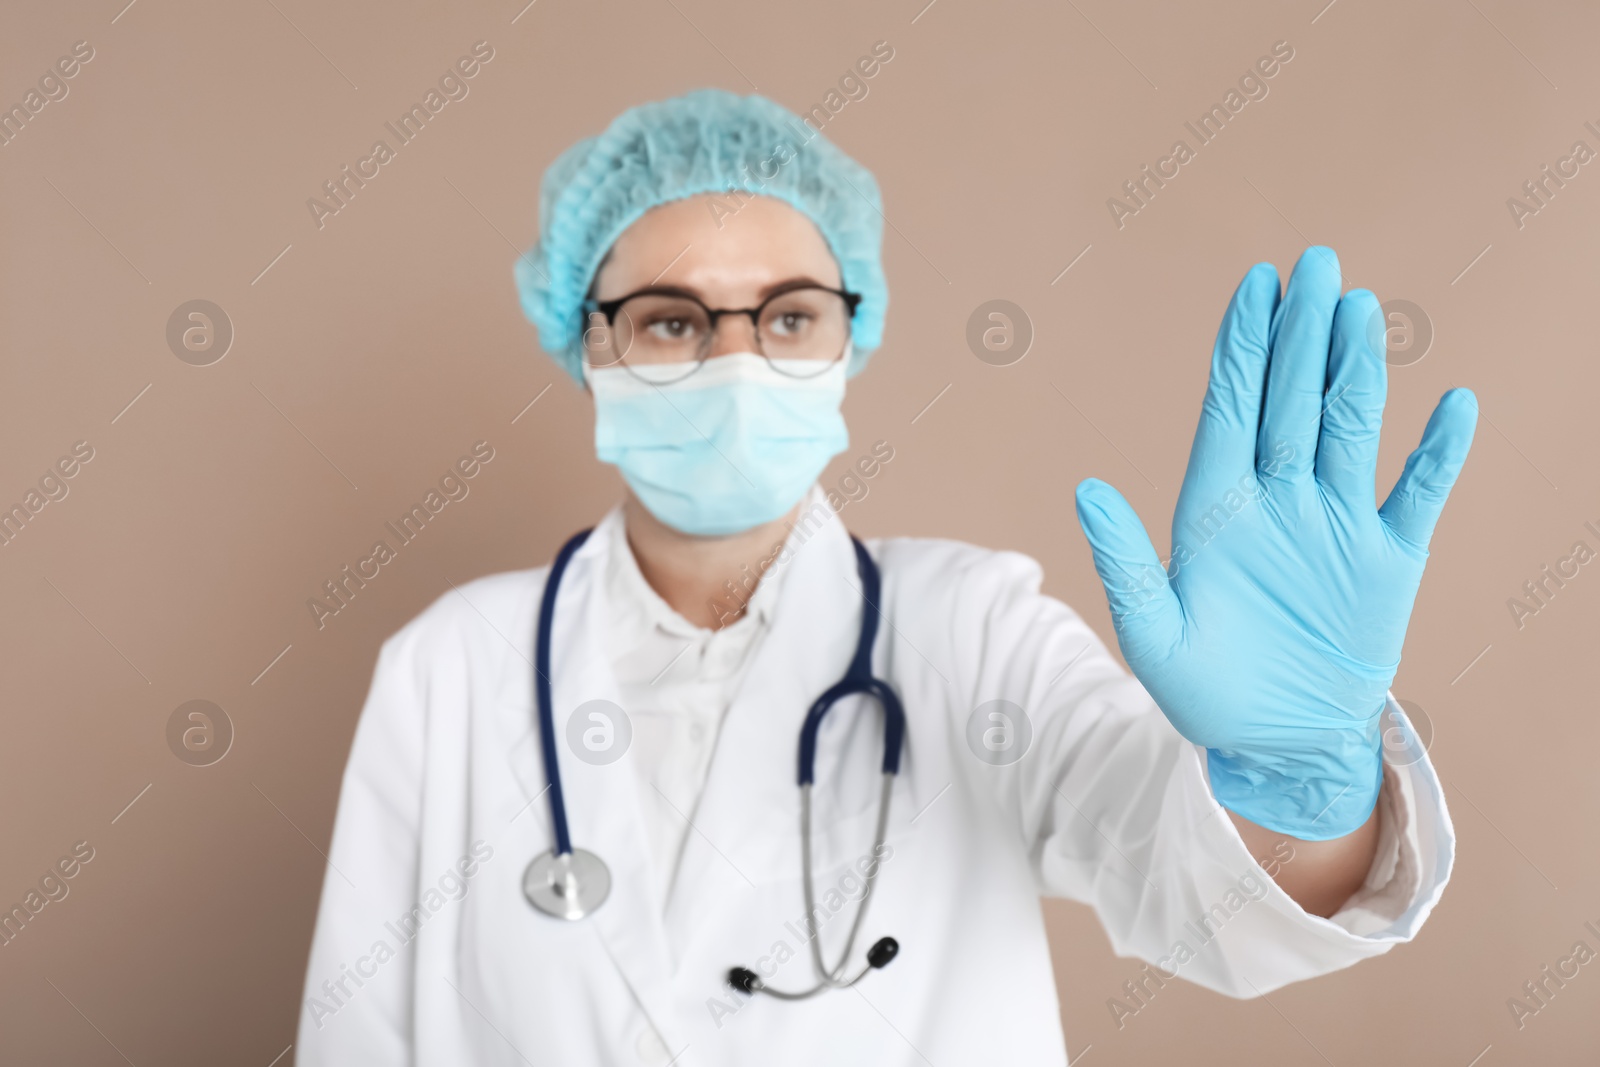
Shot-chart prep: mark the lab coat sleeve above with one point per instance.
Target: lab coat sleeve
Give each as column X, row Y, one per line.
column 357, row 1006
column 1116, row 811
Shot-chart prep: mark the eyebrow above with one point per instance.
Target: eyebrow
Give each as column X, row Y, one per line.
column 796, row 282
column 790, row 283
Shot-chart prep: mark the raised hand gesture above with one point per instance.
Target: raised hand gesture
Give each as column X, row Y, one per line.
column 1273, row 632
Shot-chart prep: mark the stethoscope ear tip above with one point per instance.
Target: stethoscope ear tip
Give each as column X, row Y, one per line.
column 744, row 979
column 883, row 953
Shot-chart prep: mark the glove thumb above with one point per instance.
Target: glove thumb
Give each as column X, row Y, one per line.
column 1144, row 609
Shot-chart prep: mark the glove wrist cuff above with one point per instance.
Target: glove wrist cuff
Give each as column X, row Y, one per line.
column 1305, row 803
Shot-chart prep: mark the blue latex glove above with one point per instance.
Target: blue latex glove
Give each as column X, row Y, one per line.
column 1272, row 634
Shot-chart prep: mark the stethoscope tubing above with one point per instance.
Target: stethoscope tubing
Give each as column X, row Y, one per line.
column 541, row 682
column 859, row 679
column 833, row 976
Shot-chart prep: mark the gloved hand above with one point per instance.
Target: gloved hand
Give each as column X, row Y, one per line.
column 1273, row 632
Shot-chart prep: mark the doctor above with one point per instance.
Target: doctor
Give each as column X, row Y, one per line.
column 708, row 269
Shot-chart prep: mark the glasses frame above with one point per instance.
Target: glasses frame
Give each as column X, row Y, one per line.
column 609, row 308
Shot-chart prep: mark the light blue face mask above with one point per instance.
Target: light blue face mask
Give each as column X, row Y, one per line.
column 733, row 445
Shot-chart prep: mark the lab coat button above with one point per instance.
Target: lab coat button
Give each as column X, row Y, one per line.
column 650, row 1047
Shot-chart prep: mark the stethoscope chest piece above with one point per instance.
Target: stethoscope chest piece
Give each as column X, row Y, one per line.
column 568, row 886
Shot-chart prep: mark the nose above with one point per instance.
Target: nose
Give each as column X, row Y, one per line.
column 734, row 333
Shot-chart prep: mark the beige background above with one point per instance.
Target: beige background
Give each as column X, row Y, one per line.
column 375, row 350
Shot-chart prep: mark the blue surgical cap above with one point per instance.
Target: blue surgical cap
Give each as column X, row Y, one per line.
column 707, row 141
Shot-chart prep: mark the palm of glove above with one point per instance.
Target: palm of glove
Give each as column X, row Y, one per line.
column 1287, row 579
column 1272, row 632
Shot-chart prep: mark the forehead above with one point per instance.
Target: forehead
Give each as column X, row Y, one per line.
column 725, row 246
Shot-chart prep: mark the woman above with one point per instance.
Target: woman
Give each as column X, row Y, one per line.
column 708, row 268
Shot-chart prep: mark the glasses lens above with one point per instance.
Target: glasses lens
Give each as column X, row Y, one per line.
column 600, row 347
column 804, row 331
column 662, row 337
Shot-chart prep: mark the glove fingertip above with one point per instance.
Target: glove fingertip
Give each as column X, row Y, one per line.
column 1095, row 498
column 1463, row 397
column 1454, row 425
column 1090, row 486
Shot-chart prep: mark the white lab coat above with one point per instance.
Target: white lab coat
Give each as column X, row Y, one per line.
column 442, row 800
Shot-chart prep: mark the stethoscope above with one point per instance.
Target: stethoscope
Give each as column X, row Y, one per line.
column 571, row 883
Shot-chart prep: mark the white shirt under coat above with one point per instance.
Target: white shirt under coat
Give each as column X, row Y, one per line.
column 1109, row 807
column 677, row 680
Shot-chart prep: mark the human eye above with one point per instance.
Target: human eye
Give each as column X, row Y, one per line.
column 792, row 323
column 671, row 327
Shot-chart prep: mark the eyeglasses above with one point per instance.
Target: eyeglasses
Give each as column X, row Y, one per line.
column 664, row 334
